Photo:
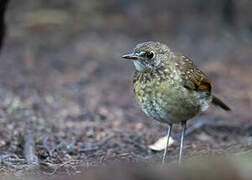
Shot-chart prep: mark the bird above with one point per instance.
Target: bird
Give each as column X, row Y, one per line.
column 170, row 88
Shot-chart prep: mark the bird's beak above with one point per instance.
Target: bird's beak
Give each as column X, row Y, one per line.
column 130, row 56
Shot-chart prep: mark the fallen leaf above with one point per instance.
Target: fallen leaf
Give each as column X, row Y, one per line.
column 160, row 144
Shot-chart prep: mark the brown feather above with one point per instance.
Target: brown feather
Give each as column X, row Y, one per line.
column 196, row 76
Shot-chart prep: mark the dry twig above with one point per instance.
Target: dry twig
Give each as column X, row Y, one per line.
column 29, row 149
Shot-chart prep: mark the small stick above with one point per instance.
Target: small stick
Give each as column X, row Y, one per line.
column 217, row 125
column 29, row 149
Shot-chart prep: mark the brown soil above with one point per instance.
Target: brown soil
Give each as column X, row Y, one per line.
column 63, row 81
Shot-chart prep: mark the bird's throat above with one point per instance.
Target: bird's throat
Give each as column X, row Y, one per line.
column 139, row 66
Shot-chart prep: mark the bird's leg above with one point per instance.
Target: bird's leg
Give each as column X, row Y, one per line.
column 182, row 141
column 167, row 143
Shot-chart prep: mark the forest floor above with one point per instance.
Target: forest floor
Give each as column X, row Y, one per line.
column 64, row 86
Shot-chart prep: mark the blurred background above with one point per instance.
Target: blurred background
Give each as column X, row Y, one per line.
column 63, row 81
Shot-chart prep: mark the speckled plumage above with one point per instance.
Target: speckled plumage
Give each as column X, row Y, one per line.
column 169, row 87
column 168, row 93
column 161, row 95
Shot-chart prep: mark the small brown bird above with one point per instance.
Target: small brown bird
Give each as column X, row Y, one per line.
column 169, row 87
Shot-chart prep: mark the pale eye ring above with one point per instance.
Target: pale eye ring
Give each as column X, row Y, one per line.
column 149, row 55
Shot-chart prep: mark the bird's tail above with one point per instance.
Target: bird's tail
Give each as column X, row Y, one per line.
column 217, row 102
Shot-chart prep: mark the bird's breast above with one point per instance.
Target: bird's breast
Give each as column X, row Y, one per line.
column 161, row 96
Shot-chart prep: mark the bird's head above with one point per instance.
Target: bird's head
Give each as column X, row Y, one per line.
column 149, row 55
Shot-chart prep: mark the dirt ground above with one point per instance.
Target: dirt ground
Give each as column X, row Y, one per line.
column 63, row 82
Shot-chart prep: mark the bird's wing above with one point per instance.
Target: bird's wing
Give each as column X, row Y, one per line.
column 194, row 79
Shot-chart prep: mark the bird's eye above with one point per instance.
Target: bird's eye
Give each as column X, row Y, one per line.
column 149, row 55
